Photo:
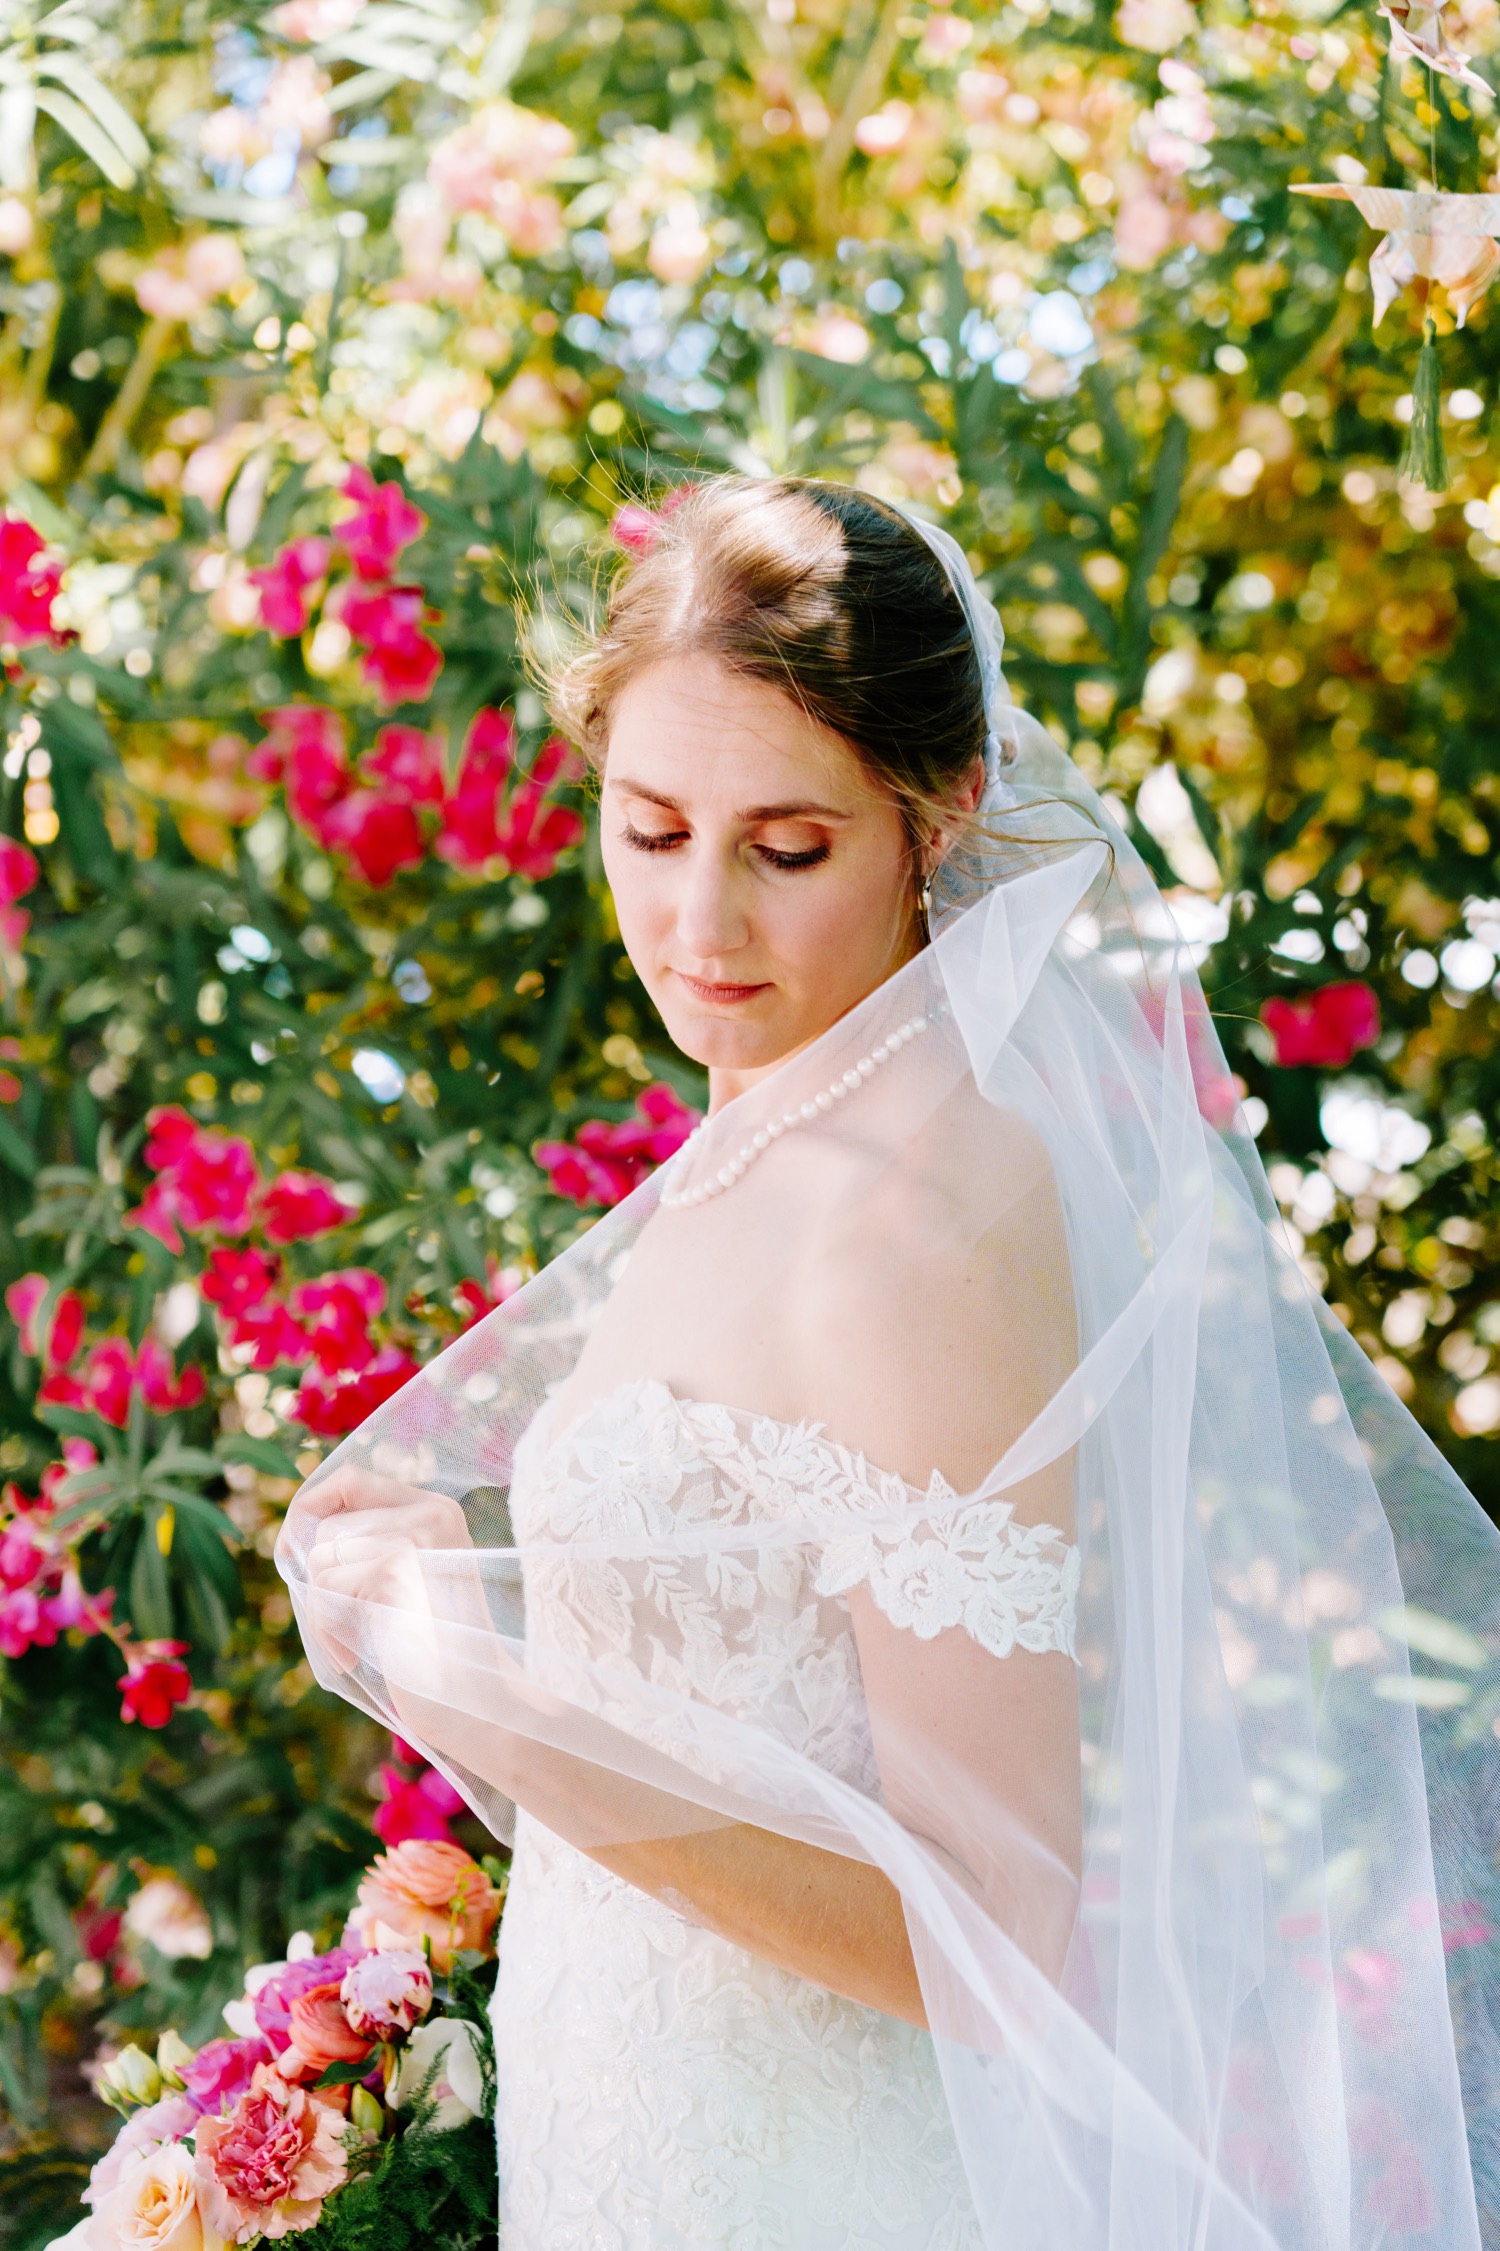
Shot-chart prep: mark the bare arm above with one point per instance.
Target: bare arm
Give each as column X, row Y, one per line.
column 835, row 1921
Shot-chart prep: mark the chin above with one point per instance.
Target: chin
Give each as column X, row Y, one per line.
column 720, row 1043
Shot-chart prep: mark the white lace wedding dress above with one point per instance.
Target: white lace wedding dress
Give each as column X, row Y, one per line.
column 660, row 2089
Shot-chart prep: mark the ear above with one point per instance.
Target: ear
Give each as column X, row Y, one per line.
column 965, row 800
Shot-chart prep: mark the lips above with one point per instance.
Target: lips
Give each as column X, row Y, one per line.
column 722, row 995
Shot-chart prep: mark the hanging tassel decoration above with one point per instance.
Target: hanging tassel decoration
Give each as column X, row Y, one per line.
column 1423, row 459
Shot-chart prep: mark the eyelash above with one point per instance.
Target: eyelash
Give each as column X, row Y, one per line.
column 666, row 840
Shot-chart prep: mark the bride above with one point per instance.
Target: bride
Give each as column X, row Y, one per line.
column 934, row 1595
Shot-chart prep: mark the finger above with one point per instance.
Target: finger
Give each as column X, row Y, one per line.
column 350, row 1488
column 418, row 1526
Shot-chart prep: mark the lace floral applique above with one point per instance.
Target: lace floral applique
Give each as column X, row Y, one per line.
column 1011, row 1586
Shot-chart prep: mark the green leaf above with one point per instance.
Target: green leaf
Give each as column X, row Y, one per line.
column 260, row 1453
column 111, row 114
column 90, row 136
column 346, row 2074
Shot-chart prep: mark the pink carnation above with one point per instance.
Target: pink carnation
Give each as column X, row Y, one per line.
column 266, row 2168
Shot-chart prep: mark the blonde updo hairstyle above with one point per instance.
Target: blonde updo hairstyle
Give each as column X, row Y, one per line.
column 823, row 593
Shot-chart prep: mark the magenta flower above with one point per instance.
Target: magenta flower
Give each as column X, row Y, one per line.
column 222, row 2071
column 397, row 660
column 383, row 521
column 299, row 1206
column 235, row 1281
column 409, row 762
column 28, row 584
column 422, row 1808
column 605, row 1161
column 284, row 584
column 336, row 1311
column 379, row 835
column 155, row 1683
column 1326, row 1028
column 328, row 1405
column 470, row 835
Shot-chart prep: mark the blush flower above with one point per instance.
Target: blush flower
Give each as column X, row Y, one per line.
column 169, row 2120
column 386, row 1993
column 156, row 2206
column 426, row 1889
column 266, row 2168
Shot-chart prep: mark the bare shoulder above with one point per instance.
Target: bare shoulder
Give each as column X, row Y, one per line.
column 933, row 1317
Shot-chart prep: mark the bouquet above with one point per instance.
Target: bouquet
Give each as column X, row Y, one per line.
column 350, row 2102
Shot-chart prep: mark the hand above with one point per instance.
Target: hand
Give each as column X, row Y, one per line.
column 357, row 1537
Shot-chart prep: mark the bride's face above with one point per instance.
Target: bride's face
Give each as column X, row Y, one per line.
column 764, row 882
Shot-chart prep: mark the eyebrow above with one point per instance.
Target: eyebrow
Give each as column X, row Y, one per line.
column 801, row 808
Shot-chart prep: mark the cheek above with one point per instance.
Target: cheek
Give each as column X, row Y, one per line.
column 641, row 888
column 851, row 914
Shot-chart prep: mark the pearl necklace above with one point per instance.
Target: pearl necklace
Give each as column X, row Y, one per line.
column 802, row 1113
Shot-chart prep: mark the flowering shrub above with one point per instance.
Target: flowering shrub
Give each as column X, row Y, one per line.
column 316, row 1037
column 352, row 2091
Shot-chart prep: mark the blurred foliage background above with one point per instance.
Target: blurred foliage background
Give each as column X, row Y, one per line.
column 336, row 335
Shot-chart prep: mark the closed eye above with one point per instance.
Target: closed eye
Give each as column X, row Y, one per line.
column 653, row 840
column 812, row 858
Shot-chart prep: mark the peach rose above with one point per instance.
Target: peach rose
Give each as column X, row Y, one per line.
column 424, row 1889
column 155, row 2207
column 321, row 2034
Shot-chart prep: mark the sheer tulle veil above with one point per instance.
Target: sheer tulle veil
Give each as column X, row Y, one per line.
column 1261, row 2009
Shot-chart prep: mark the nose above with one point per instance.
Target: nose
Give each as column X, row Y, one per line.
column 711, row 918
